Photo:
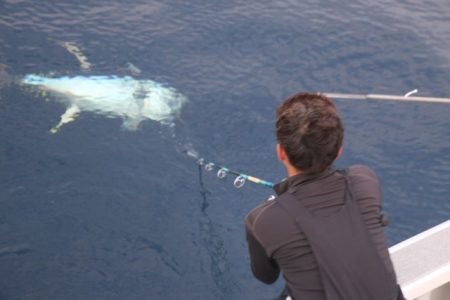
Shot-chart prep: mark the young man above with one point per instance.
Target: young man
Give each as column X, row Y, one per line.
column 324, row 232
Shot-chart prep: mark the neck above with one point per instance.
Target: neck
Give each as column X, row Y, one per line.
column 292, row 171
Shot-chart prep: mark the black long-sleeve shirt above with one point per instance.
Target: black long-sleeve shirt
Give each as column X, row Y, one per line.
column 276, row 243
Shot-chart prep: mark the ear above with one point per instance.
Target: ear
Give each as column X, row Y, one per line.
column 281, row 154
column 340, row 152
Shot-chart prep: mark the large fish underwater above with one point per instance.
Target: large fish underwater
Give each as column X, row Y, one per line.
column 133, row 100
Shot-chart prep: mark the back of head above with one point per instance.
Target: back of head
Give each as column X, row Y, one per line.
column 309, row 129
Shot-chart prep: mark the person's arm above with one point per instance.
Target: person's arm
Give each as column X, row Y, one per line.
column 263, row 268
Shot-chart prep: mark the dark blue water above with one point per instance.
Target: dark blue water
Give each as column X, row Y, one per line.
column 97, row 212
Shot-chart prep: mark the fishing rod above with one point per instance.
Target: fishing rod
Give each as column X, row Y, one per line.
column 240, row 179
column 222, row 172
column 406, row 97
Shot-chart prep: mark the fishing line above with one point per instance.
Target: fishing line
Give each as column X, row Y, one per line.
column 203, row 190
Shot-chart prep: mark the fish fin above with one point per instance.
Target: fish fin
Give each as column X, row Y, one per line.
column 133, row 69
column 69, row 116
column 131, row 124
column 82, row 59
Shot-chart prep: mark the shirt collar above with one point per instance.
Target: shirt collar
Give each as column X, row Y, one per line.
column 298, row 179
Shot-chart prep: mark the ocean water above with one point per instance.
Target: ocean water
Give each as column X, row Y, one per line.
column 99, row 212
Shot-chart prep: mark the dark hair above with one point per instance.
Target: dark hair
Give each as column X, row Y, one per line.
column 310, row 131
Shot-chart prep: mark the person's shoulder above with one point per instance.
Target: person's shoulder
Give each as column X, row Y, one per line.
column 270, row 224
column 362, row 173
column 258, row 211
column 264, row 217
column 365, row 184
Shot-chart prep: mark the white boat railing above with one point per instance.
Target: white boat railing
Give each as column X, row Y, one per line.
column 422, row 264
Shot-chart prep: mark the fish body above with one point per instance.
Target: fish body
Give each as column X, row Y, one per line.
column 113, row 96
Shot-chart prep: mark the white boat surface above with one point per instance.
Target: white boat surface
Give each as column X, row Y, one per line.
column 422, row 264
